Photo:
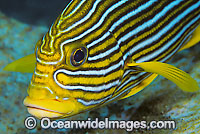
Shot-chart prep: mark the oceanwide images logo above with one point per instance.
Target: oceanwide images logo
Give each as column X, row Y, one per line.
column 45, row 123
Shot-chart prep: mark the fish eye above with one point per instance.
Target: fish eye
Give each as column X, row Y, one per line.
column 78, row 56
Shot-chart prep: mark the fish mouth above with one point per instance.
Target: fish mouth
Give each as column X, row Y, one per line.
column 51, row 108
column 41, row 112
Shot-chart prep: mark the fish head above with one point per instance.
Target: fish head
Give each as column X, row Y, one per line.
column 66, row 82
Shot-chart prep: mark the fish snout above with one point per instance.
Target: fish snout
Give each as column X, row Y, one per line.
column 51, row 108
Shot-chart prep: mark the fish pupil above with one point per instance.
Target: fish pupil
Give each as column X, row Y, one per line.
column 79, row 56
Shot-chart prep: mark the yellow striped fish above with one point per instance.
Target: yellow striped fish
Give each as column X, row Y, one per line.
column 100, row 51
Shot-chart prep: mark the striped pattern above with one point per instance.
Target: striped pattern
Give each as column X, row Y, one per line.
column 114, row 32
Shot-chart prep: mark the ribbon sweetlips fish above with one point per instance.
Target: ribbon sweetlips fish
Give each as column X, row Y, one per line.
column 100, row 51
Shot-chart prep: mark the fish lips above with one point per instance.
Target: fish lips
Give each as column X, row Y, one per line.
column 40, row 112
column 51, row 108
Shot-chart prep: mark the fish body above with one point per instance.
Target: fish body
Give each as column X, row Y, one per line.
column 99, row 51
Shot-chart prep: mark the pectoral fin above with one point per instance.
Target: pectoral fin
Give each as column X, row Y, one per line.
column 179, row 77
column 24, row 65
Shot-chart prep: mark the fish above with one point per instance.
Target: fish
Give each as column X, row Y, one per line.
column 99, row 51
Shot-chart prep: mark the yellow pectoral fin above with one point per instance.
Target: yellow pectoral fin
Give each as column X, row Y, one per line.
column 179, row 77
column 24, row 65
column 194, row 39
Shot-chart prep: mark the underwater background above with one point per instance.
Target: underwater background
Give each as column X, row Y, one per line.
column 24, row 22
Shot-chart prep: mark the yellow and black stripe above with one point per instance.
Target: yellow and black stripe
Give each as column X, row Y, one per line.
column 113, row 32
